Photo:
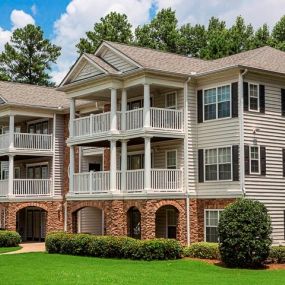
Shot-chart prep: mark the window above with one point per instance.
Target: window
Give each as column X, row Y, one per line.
column 253, row 97
column 218, row 164
column 217, row 103
column 38, row 128
column 254, row 160
column 171, row 159
column 212, row 218
column 37, row 172
column 171, row 100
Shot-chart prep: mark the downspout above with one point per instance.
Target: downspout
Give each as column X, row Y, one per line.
column 186, row 159
column 241, row 126
column 65, row 216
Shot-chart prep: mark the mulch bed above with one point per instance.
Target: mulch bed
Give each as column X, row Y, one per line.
column 272, row 266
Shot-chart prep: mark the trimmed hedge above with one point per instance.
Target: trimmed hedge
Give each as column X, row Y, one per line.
column 203, row 250
column 244, row 231
column 113, row 247
column 277, row 254
column 9, row 238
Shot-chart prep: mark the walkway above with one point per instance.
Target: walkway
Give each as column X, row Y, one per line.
column 29, row 247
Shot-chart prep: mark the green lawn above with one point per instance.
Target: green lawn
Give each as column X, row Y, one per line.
column 42, row 268
column 8, row 249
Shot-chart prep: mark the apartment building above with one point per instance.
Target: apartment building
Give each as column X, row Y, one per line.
column 178, row 139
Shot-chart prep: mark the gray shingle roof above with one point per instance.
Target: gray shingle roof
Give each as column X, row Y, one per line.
column 32, row 95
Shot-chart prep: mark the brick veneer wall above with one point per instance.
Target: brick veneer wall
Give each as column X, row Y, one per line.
column 54, row 211
column 115, row 215
column 197, row 207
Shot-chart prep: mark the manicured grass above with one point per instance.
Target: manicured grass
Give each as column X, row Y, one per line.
column 43, row 268
column 8, row 249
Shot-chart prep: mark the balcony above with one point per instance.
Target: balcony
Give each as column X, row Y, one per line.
column 161, row 119
column 162, row 181
column 26, row 188
column 27, row 141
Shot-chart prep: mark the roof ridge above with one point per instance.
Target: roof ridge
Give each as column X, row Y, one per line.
column 27, row 84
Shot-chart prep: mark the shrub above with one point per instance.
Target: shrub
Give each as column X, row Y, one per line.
column 244, row 231
column 204, row 250
column 112, row 247
column 277, row 254
column 9, row 238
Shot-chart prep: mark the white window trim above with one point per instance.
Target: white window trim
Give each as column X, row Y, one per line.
column 166, row 152
column 174, row 107
column 216, row 87
column 259, row 160
column 37, row 164
column 210, row 210
column 218, row 180
column 166, row 221
column 258, row 97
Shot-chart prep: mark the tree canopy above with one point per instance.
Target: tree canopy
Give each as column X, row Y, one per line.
column 28, row 57
column 163, row 32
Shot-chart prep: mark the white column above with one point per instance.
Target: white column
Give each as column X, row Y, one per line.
column 113, row 109
column 124, row 157
column 71, row 117
column 11, row 130
column 11, row 175
column 71, row 170
column 123, row 109
column 113, row 165
column 146, row 106
column 147, row 164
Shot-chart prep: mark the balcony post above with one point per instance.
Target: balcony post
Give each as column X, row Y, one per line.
column 71, row 117
column 123, row 109
column 146, row 106
column 11, row 175
column 113, row 165
column 11, row 131
column 124, row 157
column 147, row 163
column 71, row 170
column 113, row 110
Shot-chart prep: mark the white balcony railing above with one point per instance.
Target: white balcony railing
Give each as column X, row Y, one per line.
column 166, row 119
column 32, row 187
column 42, row 142
column 3, row 188
column 162, row 180
column 134, row 119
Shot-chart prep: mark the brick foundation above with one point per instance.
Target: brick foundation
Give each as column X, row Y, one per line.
column 54, row 211
column 197, row 207
column 115, row 215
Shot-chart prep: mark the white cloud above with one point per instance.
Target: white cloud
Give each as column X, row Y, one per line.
column 34, row 9
column 18, row 19
column 81, row 15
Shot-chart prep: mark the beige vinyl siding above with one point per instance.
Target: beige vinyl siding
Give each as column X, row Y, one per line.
column 269, row 189
column 160, row 99
column 59, row 144
column 118, row 62
column 87, row 71
column 90, row 220
column 214, row 134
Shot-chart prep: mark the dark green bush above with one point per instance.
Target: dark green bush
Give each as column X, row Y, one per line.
column 9, row 238
column 112, row 247
column 244, row 231
column 277, row 254
column 204, row 250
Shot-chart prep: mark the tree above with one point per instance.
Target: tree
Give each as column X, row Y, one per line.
column 244, row 232
column 28, row 57
column 161, row 33
column 278, row 34
column 262, row 37
column 113, row 27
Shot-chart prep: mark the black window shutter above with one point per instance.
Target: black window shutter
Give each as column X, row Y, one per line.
column 283, row 102
column 246, row 160
column 283, row 159
column 261, row 98
column 245, row 96
column 201, row 165
column 235, row 162
column 200, row 105
column 234, row 99
column 263, row 160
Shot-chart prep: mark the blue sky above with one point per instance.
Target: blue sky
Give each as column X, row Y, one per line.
column 65, row 21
